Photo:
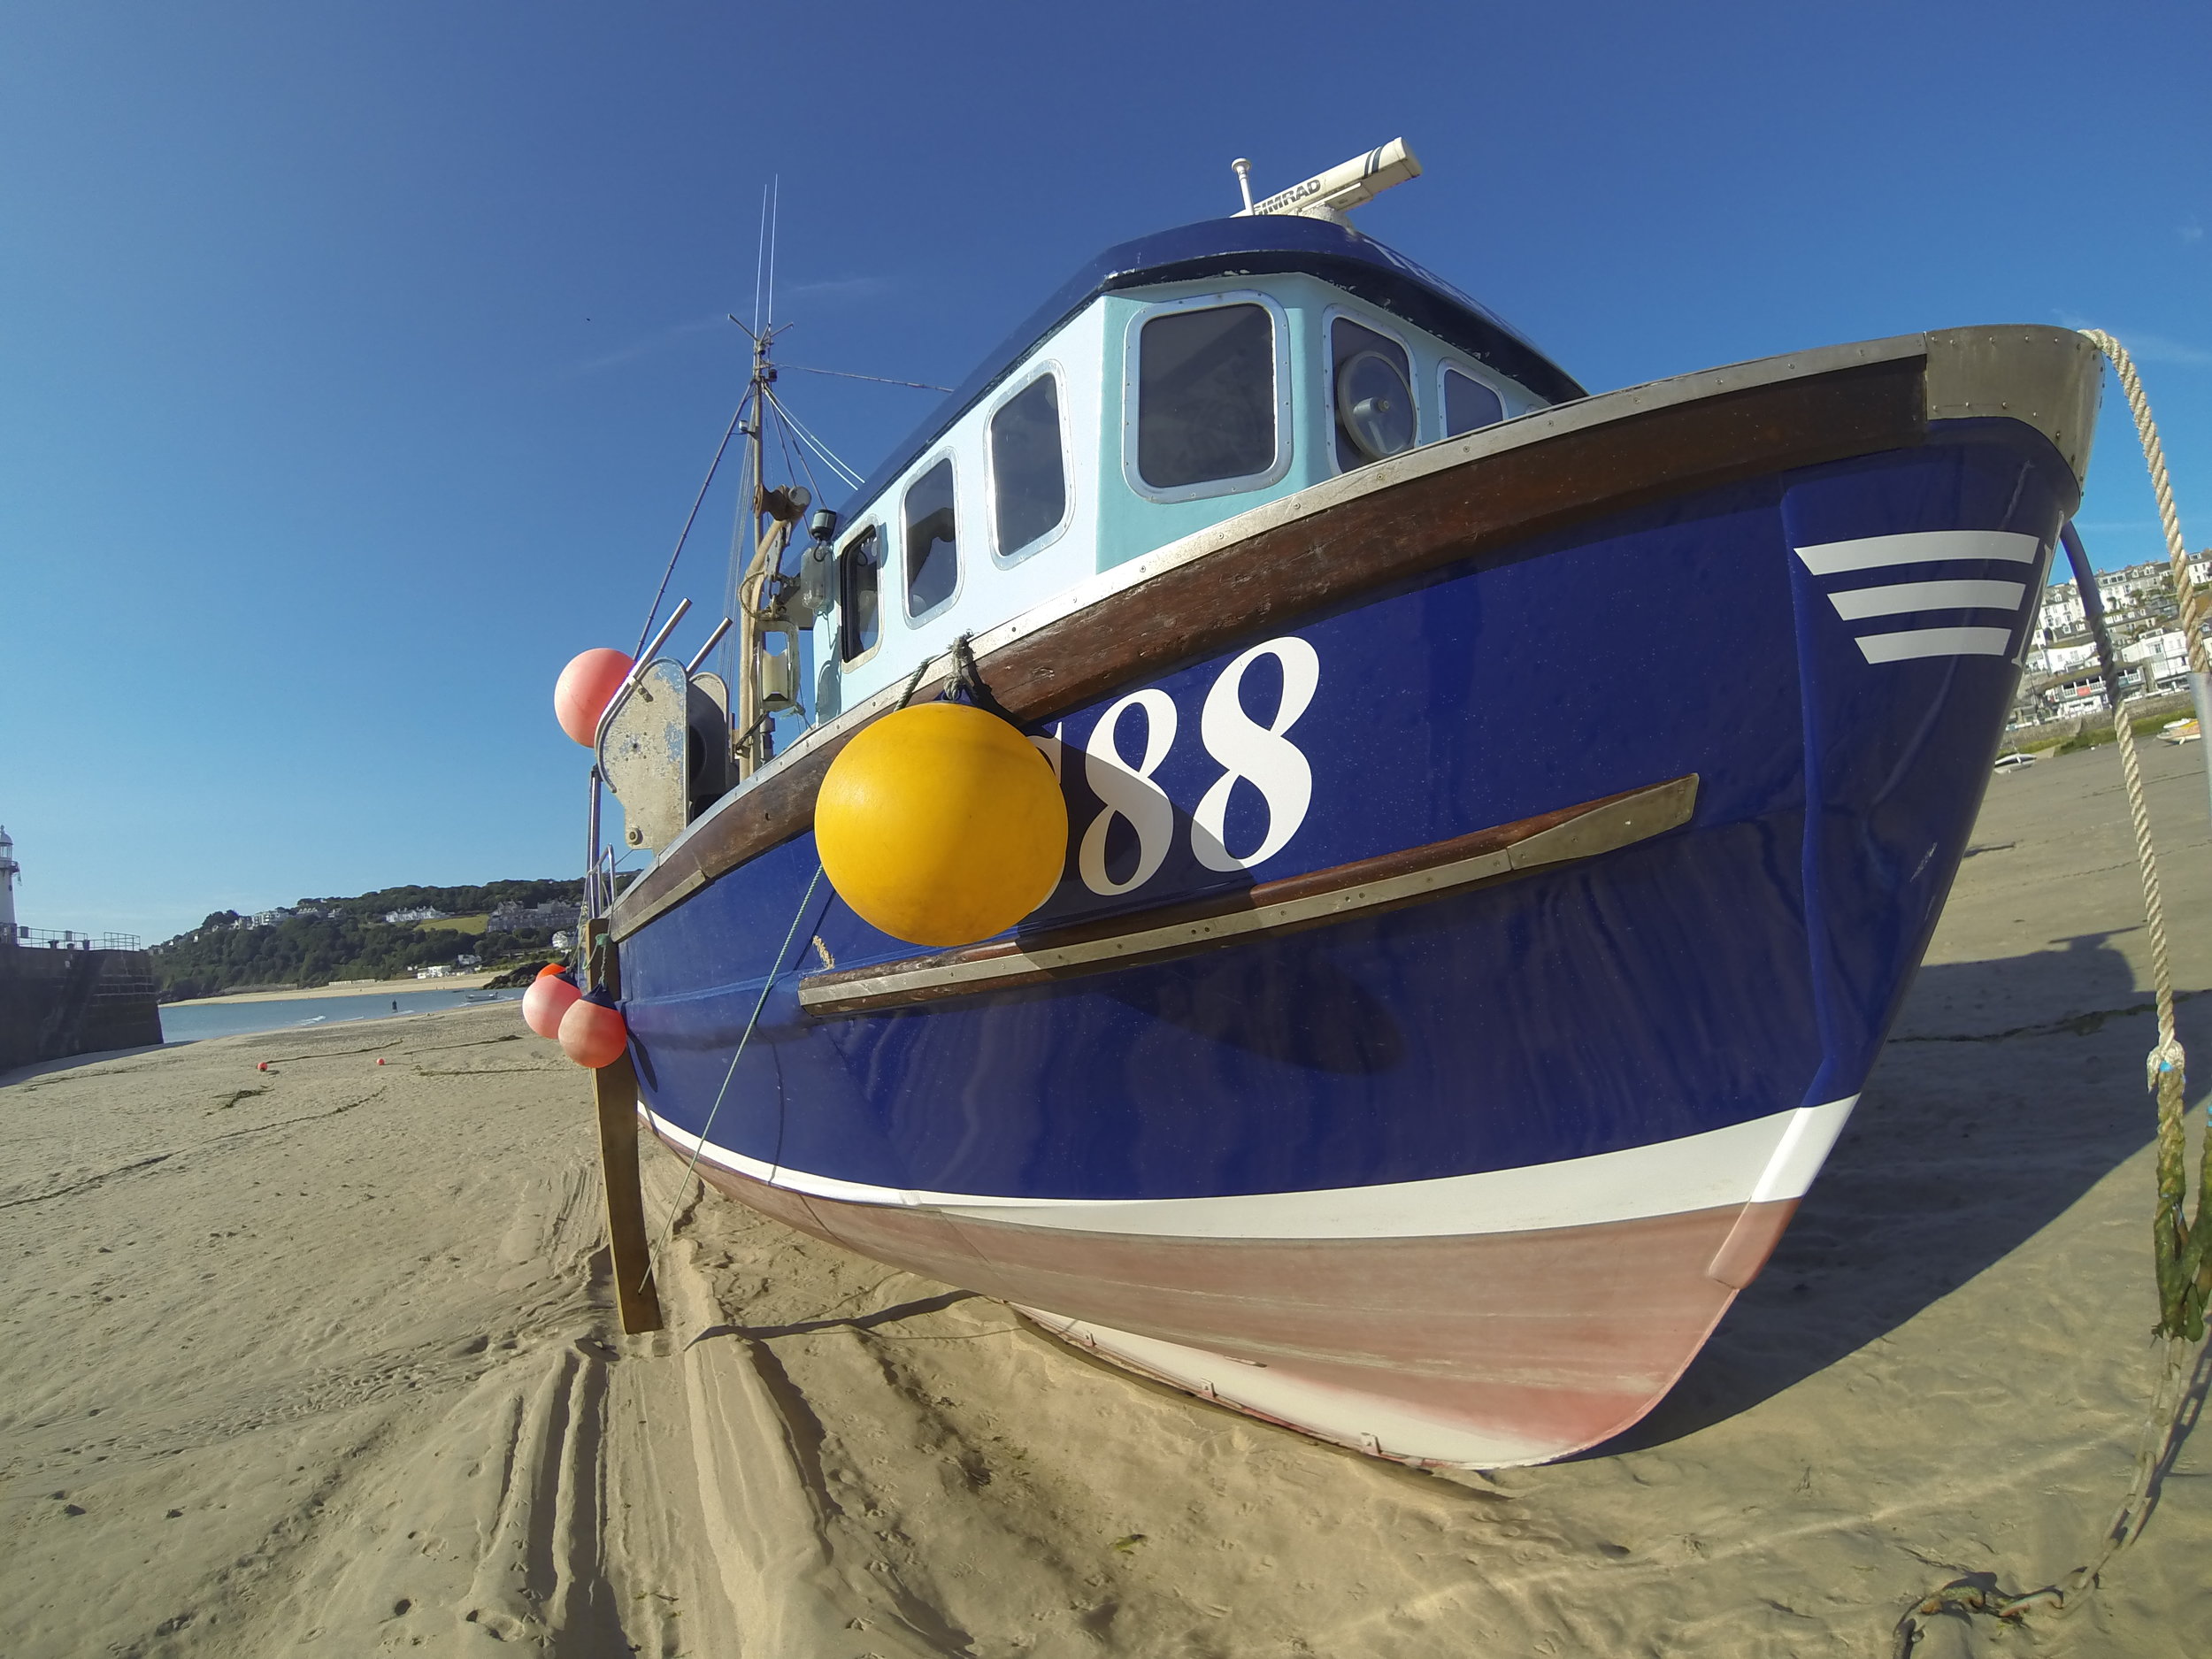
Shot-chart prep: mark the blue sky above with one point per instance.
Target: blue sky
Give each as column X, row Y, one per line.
column 359, row 363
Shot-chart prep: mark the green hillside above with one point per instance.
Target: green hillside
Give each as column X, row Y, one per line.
column 348, row 939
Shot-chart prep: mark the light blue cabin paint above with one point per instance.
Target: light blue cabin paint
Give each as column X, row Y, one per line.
column 1109, row 522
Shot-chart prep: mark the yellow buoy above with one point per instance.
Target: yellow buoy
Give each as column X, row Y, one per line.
column 941, row 825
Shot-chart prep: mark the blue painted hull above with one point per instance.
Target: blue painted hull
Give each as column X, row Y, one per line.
column 1749, row 963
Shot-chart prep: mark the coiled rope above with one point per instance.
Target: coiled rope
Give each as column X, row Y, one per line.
column 2181, row 1247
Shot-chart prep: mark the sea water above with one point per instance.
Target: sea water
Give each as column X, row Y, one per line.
column 302, row 1013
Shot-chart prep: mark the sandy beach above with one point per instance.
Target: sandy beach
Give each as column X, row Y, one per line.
column 320, row 1361
column 360, row 987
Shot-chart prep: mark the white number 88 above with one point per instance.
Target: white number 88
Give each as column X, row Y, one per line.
column 1260, row 755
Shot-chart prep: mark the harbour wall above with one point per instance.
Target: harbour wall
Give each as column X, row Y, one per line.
column 54, row 1003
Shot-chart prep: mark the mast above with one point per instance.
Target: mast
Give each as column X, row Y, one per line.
column 756, row 596
column 745, row 712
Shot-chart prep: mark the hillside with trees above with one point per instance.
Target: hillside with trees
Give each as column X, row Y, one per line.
column 318, row 940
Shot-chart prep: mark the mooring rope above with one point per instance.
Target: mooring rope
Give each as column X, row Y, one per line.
column 2193, row 600
column 775, row 973
column 2181, row 1247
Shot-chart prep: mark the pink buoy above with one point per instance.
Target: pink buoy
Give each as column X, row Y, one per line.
column 549, row 997
column 585, row 689
column 593, row 1031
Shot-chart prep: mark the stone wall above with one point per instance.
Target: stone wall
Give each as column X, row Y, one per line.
column 54, row 1003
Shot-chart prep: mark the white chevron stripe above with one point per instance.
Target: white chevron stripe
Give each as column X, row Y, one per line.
column 1918, row 547
column 1855, row 602
column 1896, row 648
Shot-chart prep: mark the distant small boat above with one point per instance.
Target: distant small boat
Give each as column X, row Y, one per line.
column 1503, row 824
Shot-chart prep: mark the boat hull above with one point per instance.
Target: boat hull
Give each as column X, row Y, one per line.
column 1463, row 1175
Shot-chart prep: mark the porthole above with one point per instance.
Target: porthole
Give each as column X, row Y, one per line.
column 1374, row 406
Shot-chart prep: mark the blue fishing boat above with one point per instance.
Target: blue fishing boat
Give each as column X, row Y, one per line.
column 1503, row 822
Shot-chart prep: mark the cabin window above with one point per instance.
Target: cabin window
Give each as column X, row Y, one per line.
column 1468, row 403
column 1206, row 397
column 1029, row 479
column 1372, row 385
column 859, row 621
column 933, row 551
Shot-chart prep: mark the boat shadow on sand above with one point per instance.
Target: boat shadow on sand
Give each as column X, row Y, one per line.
column 2009, row 1089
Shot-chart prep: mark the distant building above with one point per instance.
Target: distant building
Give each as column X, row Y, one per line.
column 2056, row 659
column 2062, row 617
column 2165, row 655
column 514, row 918
column 565, row 940
column 468, row 959
column 269, row 918
column 440, row 971
column 421, row 913
column 2141, row 616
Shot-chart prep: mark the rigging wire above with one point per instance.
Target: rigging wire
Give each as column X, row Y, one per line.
column 850, row 477
column 783, row 442
column 661, row 592
column 846, row 374
column 813, row 484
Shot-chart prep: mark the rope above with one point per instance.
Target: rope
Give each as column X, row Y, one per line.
column 968, row 684
column 775, row 971
column 2181, row 1248
column 2193, row 602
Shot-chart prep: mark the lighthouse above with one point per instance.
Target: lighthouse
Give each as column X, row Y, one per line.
column 9, row 870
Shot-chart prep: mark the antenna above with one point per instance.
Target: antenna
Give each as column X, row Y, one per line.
column 775, row 206
column 1244, row 180
column 1361, row 180
column 760, row 261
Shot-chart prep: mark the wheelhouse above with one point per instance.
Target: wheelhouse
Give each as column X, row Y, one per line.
column 1176, row 382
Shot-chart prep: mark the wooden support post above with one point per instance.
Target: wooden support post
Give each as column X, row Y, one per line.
column 615, row 1088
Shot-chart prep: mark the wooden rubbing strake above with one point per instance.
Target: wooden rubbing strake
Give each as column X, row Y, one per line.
column 1367, row 887
column 1399, row 532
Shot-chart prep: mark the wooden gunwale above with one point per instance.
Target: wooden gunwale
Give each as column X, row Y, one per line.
column 1361, row 888
column 1404, row 527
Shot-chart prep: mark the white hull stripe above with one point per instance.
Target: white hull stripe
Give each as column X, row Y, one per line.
column 1921, row 547
column 1927, row 546
column 1855, row 602
column 1768, row 1158
column 1910, row 643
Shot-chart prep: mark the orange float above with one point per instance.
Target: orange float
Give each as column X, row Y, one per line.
column 593, row 1031
column 585, row 689
column 551, row 996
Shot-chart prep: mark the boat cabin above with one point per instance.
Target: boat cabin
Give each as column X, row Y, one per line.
column 1177, row 381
